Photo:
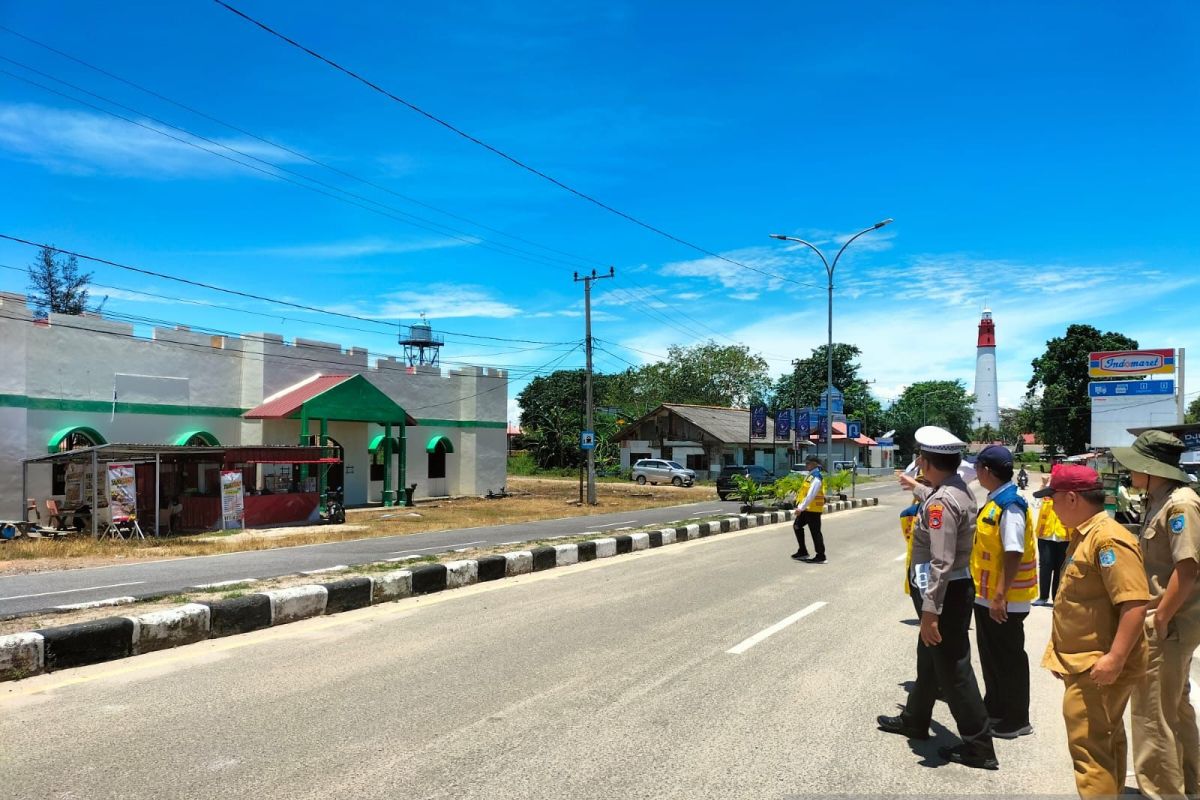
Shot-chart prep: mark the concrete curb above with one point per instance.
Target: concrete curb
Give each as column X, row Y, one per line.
column 49, row 649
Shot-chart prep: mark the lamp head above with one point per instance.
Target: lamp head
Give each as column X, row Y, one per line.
column 887, row 221
column 778, row 236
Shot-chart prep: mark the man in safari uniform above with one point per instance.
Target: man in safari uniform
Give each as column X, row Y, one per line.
column 1166, row 748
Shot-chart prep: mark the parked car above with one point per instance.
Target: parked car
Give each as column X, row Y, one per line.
column 726, row 487
column 838, row 466
column 657, row 470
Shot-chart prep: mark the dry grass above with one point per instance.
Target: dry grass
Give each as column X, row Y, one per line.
column 535, row 499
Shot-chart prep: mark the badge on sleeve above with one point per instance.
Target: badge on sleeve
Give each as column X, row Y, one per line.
column 1108, row 556
column 935, row 516
column 1176, row 522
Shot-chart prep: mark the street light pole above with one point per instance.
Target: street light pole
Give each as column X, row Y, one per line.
column 829, row 268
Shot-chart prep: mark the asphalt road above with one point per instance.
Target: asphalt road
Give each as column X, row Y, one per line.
column 647, row 675
column 23, row 594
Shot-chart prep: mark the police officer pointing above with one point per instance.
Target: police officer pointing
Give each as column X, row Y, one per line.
column 943, row 593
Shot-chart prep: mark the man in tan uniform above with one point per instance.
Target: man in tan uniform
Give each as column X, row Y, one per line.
column 1166, row 747
column 1096, row 646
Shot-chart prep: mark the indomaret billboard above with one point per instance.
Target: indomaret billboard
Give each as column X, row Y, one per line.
column 1137, row 402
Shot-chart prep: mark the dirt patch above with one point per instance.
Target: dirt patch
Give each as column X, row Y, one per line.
column 533, row 499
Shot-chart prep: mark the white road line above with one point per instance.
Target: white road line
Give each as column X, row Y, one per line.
column 900, row 557
column 742, row 647
column 614, row 524
column 435, row 547
column 71, row 591
column 334, row 568
column 110, row 601
column 220, row 584
column 502, row 544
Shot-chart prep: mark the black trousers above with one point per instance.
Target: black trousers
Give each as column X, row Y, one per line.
column 1005, row 667
column 1051, row 555
column 948, row 665
column 813, row 521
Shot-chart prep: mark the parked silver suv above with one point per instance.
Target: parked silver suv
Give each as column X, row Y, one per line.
column 657, row 470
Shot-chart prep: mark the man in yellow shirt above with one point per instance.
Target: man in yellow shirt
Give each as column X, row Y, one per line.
column 1052, row 547
column 1096, row 646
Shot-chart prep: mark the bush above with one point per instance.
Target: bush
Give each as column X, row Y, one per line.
column 522, row 464
column 837, row 482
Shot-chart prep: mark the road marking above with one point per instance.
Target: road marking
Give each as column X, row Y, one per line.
column 742, row 647
column 110, row 601
column 71, row 591
column 435, row 547
column 615, row 524
column 220, row 584
column 503, row 544
column 334, row 568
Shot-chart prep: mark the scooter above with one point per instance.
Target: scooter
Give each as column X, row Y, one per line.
column 335, row 511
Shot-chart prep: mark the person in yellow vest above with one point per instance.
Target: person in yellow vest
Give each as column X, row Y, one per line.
column 908, row 520
column 1096, row 646
column 1166, row 744
column 810, row 504
column 1004, row 568
column 1052, row 547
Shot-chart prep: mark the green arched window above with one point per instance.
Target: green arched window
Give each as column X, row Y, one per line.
column 197, row 439
column 73, row 438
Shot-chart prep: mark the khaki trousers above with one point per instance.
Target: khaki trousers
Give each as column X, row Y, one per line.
column 1166, row 747
column 1096, row 733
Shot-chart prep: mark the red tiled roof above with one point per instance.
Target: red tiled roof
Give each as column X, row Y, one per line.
column 1029, row 438
column 289, row 401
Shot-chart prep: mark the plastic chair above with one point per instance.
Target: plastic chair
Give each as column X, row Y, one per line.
column 55, row 518
column 31, row 510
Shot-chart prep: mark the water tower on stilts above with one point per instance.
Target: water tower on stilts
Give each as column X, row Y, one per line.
column 421, row 345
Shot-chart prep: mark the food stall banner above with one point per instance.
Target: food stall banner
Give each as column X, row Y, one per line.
column 233, row 499
column 122, row 491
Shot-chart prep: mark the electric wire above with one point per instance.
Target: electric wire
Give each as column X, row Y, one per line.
column 498, row 152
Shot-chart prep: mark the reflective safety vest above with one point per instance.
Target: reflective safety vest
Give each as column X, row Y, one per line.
column 908, row 520
column 1048, row 525
column 987, row 554
column 817, row 506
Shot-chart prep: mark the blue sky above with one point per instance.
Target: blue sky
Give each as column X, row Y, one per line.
column 1039, row 158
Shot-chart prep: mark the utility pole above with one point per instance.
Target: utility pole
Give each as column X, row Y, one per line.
column 587, row 281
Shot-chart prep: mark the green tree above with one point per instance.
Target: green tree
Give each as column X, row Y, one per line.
column 809, row 376
column 1014, row 422
column 1193, row 411
column 704, row 374
column 1061, row 375
column 942, row 403
column 56, row 285
column 985, row 433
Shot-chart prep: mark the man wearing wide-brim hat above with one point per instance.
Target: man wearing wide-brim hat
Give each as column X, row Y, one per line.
column 1166, row 746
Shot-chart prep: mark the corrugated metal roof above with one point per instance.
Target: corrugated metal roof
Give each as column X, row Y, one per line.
column 724, row 424
column 288, row 402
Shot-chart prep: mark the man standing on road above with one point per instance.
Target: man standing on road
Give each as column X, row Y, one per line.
column 1052, row 547
column 1004, row 568
column 809, row 507
column 944, row 593
column 1096, row 646
column 1166, row 747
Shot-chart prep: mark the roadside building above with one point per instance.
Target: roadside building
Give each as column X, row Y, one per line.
column 73, row 382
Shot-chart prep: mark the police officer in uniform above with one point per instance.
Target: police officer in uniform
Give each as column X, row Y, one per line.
column 1166, row 748
column 943, row 593
column 1096, row 646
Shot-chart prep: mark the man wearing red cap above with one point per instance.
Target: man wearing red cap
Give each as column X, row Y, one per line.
column 1096, row 646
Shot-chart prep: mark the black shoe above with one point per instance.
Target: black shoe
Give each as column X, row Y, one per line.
column 800, row 555
column 817, row 560
column 1011, row 731
column 971, row 754
column 900, row 726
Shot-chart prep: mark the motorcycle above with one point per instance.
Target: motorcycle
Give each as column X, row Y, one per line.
column 334, row 512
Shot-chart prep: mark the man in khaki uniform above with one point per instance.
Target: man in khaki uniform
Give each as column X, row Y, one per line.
column 1166, row 747
column 1096, row 646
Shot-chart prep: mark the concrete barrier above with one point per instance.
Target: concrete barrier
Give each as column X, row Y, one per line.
column 238, row 615
column 21, row 655
column 605, row 548
column 461, row 573
column 544, row 558
column 296, row 602
column 87, row 642
column 587, row 551
column 390, row 586
column 347, row 594
column 171, row 627
column 518, row 563
column 428, row 578
column 624, row 543
column 565, row 555
column 491, row 568
column 668, row 536
column 640, row 541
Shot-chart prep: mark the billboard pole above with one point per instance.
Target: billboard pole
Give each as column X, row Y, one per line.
column 1179, row 389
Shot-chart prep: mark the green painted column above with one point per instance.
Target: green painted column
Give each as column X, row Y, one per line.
column 389, row 491
column 404, row 459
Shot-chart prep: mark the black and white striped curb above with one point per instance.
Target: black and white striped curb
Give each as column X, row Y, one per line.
column 95, row 641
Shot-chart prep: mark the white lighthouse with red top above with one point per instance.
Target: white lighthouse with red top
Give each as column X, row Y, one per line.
column 987, row 406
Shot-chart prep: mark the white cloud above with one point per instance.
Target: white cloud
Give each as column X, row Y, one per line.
column 744, row 296
column 84, row 143
column 436, row 301
column 355, row 248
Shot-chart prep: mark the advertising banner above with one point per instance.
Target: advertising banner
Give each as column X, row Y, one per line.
column 758, row 422
column 233, row 503
column 803, row 426
column 1127, row 363
column 1130, row 388
column 783, row 425
column 122, row 491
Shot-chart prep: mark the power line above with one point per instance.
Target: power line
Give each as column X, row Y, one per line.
column 496, row 151
column 293, row 152
column 238, row 293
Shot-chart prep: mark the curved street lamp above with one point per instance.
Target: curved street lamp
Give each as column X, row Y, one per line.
column 829, row 268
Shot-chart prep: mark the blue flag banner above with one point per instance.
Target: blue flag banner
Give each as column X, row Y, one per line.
column 758, row 422
column 803, row 426
column 783, row 424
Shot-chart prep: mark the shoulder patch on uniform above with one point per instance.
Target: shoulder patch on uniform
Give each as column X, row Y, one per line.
column 1108, row 556
column 1177, row 523
column 935, row 515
